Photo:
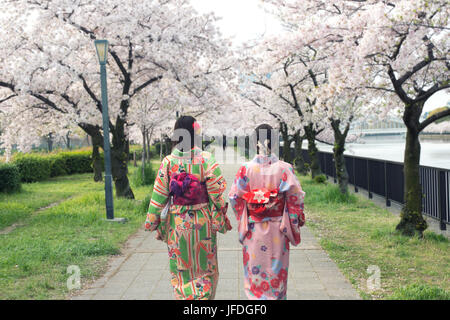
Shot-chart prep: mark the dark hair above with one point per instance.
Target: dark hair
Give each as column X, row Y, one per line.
column 187, row 123
column 263, row 132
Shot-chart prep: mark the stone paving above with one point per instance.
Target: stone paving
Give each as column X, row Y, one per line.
column 142, row 270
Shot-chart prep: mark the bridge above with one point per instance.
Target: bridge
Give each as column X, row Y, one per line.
column 376, row 127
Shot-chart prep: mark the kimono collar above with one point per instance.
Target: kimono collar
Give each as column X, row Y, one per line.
column 265, row 159
column 194, row 152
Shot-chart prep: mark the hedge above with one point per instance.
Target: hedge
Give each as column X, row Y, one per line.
column 77, row 162
column 38, row 167
column 32, row 167
column 9, row 178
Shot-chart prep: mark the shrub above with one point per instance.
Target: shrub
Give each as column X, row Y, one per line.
column 9, row 178
column 306, row 166
column 57, row 166
column 37, row 167
column 33, row 167
column 77, row 161
column 149, row 178
column 321, row 178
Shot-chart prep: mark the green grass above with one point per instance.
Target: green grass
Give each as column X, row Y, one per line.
column 356, row 234
column 34, row 257
column 17, row 207
column 420, row 292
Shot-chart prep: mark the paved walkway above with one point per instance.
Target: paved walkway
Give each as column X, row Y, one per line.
column 142, row 271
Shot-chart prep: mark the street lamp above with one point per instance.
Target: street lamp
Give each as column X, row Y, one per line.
column 102, row 52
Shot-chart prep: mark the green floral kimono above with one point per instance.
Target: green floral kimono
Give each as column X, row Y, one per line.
column 190, row 230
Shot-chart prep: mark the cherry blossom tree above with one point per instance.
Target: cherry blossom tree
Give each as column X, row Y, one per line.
column 307, row 57
column 398, row 48
column 341, row 109
column 148, row 41
column 281, row 115
column 290, row 70
column 404, row 50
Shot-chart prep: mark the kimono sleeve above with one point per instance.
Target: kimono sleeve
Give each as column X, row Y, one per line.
column 293, row 217
column 160, row 196
column 216, row 185
column 239, row 187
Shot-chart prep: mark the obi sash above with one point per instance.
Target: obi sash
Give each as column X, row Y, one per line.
column 257, row 209
column 263, row 203
column 187, row 189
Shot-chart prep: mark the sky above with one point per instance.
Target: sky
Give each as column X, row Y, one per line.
column 243, row 20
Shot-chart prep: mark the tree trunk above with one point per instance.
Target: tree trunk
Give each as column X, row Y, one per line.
column 286, row 143
column 143, row 154
column 341, row 169
column 68, row 141
column 411, row 219
column 119, row 165
column 97, row 163
column 160, row 148
column 312, row 151
column 50, row 142
column 338, row 154
column 127, row 151
column 97, row 143
column 299, row 162
column 167, row 145
column 119, row 172
column 148, row 137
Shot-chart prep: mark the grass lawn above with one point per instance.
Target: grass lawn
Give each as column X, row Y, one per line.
column 34, row 256
column 357, row 234
column 17, row 207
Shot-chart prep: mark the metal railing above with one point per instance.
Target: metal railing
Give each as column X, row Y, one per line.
column 385, row 178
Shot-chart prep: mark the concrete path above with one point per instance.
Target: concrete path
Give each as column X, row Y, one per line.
column 142, row 271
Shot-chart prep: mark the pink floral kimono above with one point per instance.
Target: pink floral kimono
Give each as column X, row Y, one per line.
column 267, row 199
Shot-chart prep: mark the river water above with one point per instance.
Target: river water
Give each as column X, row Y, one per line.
column 434, row 153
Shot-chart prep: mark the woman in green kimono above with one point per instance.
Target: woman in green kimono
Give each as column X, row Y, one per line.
column 189, row 187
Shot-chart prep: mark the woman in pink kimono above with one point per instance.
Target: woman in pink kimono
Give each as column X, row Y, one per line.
column 267, row 199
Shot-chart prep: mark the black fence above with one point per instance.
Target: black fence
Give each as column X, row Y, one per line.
column 385, row 178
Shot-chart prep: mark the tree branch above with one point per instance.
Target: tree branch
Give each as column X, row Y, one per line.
column 433, row 118
column 10, row 97
column 397, row 87
column 145, row 84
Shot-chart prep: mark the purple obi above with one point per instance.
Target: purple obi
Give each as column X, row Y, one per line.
column 187, row 189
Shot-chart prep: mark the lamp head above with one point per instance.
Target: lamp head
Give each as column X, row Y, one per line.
column 102, row 50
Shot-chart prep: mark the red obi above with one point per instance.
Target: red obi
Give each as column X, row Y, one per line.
column 187, row 189
column 263, row 203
